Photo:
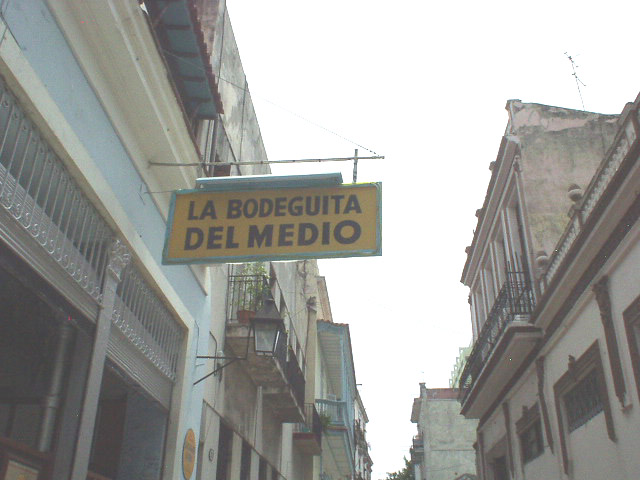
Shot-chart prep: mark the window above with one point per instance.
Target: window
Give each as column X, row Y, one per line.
column 225, row 444
column 245, row 461
column 529, row 430
column 580, row 395
column 262, row 469
column 531, row 442
column 499, row 467
column 631, row 317
column 583, row 401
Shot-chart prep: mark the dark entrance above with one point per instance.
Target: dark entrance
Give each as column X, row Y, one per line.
column 43, row 364
column 128, row 440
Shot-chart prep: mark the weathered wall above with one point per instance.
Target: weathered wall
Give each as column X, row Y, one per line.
column 239, row 118
column 448, row 437
column 240, row 398
column 559, row 147
column 271, row 437
column 240, row 140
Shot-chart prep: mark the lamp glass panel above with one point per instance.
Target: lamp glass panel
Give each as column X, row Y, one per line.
column 265, row 336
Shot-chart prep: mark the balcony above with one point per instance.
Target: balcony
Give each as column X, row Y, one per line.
column 504, row 342
column 279, row 375
column 307, row 436
column 417, row 449
column 359, row 435
column 338, row 435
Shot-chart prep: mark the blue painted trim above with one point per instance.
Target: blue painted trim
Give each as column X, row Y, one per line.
column 267, row 182
column 167, row 231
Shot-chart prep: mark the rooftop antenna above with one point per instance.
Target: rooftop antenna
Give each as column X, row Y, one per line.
column 575, row 75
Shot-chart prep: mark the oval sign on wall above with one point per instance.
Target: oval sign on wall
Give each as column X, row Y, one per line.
column 189, row 454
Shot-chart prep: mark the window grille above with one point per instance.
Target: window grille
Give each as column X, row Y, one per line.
column 37, row 190
column 583, row 401
column 531, row 441
column 146, row 322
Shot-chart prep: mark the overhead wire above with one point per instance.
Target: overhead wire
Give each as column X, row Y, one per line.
column 291, row 112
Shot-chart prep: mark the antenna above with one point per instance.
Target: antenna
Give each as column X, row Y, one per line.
column 575, row 75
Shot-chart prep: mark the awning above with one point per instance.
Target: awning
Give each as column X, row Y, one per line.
column 179, row 32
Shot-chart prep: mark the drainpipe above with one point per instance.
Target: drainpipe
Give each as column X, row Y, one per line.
column 52, row 400
column 311, row 351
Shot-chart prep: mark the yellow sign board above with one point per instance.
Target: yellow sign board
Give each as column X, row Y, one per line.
column 276, row 224
column 189, row 454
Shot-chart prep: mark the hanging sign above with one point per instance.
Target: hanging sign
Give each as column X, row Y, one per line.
column 274, row 224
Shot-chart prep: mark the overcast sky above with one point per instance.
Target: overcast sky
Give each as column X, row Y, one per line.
column 425, row 85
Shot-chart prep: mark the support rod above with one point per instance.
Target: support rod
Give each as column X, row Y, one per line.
column 355, row 167
column 265, row 162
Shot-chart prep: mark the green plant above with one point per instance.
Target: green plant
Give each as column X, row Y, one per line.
column 325, row 420
column 254, row 269
column 407, row 473
column 254, row 287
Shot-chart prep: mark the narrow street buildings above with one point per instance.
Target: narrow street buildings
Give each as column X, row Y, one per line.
column 553, row 375
column 113, row 365
column 345, row 452
column 98, row 339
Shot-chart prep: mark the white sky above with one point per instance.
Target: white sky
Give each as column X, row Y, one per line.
column 425, row 84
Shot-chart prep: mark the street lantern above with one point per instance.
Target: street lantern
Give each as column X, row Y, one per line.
column 267, row 327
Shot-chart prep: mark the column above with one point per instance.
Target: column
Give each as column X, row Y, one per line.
column 118, row 259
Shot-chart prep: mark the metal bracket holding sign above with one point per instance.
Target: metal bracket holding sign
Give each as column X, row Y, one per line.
column 267, row 217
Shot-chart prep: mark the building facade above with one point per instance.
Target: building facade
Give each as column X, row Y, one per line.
column 254, row 401
column 553, row 377
column 443, row 447
column 107, row 356
column 345, row 451
column 363, row 462
column 98, row 339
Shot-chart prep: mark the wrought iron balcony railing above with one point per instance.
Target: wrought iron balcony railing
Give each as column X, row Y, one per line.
column 312, row 423
column 359, row 433
column 247, row 292
column 334, row 411
column 514, row 301
column 295, row 377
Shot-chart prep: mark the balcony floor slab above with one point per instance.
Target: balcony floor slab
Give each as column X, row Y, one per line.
column 516, row 343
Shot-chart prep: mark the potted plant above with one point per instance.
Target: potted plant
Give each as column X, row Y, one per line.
column 251, row 291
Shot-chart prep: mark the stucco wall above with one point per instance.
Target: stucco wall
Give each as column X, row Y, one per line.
column 448, row 438
column 558, row 147
column 240, row 401
column 239, row 118
column 50, row 56
column 615, row 460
